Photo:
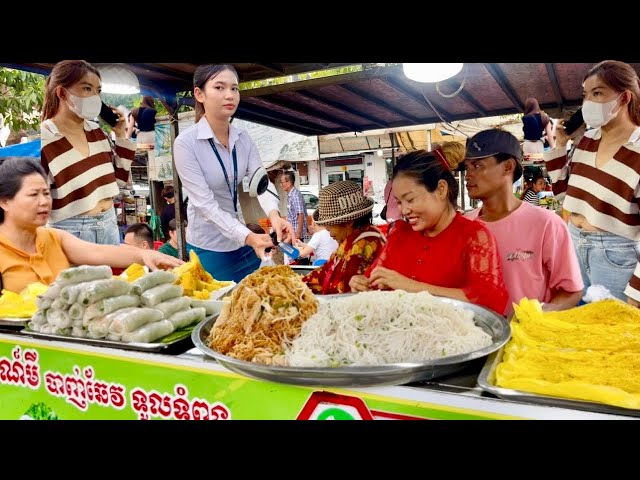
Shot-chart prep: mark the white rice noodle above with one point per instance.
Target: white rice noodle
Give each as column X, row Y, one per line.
column 380, row 327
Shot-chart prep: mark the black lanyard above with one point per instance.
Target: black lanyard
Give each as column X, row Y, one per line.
column 233, row 193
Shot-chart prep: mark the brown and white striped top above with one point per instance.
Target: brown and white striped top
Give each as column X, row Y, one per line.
column 77, row 182
column 607, row 196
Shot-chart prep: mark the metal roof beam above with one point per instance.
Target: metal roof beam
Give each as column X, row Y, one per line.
column 551, row 71
column 339, row 106
column 501, row 80
column 395, row 84
column 273, row 67
column 379, row 103
column 279, row 117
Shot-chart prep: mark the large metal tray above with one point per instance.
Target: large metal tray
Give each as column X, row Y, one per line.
column 303, row 269
column 171, row 348
column 13, row 323
column 487, row 378
column 365, row 376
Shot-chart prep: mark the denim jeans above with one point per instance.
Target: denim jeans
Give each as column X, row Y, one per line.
column 605, row 259
column 101, row 229
column 234, row 265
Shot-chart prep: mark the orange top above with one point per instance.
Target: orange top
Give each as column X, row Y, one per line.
column 19, row 268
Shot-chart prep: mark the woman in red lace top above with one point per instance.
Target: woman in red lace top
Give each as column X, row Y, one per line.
column 435, row 248
column 346, row 213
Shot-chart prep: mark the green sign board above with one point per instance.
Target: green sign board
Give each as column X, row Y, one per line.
column 41, row 381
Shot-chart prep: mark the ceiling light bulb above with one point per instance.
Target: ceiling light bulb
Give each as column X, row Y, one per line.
column 118, row 79
column 380, row 152
column 431, row 72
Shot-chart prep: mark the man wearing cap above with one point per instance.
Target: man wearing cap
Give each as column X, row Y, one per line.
column 538, row 258
column 346, row 213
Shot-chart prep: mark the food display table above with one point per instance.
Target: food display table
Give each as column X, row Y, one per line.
column 54, row 379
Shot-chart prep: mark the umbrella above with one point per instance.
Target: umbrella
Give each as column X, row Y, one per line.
column 28, row 149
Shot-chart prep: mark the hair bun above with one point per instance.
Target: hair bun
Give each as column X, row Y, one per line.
column 454, row 152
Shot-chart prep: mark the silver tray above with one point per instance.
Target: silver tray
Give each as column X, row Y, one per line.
column 172, row 348
column 487, row 378
column 303, row 269
column 365, row 376
column 13, row 322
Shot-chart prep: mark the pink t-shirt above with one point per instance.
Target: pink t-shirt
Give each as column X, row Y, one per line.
column 537, row 255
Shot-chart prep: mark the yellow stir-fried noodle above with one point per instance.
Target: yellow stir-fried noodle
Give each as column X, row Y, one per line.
column 588, row 353
column 266, row 312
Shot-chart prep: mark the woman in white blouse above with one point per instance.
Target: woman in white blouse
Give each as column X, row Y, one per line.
column 212, row 157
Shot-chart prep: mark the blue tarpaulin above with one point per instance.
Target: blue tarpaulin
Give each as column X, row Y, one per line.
column 29, row 149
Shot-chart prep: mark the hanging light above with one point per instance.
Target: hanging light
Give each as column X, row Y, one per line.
column 118, row 79
column 431, row 72
column 379, row 152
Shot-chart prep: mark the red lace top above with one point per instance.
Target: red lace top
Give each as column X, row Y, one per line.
column 464, row 255
column 351, row 258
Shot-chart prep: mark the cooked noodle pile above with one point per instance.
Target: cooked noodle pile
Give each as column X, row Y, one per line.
column 266, row 311
column 375, row 328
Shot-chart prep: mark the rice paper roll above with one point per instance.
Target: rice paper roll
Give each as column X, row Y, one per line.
column 76, row 312
column 43, row 302
column 108, row 305
column 153, row 279
column 83, row 273
column 69, row 294
column 59, row 319
column 129, row 319
column 53, row 291
column 113, row 337
column 211, row 307
column 150, row 332
column 48, row 328
column 39, row 318
column 66, row 332
column 78, row 332
column 100, row 289
column 169, row 307
column 77, row 323
column 34, row 326
column 99, row 326
column 159, row 294
column 188, row 317
column 59, row 304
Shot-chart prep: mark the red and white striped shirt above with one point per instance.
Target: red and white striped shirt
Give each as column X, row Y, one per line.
column 77, row 182
column 607, row 196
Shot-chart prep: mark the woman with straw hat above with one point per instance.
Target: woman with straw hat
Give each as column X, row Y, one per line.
column 346, row 213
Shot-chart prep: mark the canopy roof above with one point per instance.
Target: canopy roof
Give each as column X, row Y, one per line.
column 378, row 95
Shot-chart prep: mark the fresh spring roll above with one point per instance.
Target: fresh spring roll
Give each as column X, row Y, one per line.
column 211, row 307
column 43, row 302
column 59, row 319
column 66, row 332
column 59, row 304
column 76, row 323
column 169, row 307
column 35, row 327
column 150, row 332
column 40, row 317
column 182, row 319
column 151, row 280
column 113, row 337
column 53, row 291
column 108, row 305
column 76, row 311
column 78, row 332
column 159, row 294
column 100, row 289
column 83, row 273
column 69, row 294
column 99, row 327
column 128, row 319
column 48, row 328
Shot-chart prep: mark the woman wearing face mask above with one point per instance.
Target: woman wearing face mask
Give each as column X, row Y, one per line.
column 435, row 248
column 212, row 157
column 602, row 180
column 77, row 156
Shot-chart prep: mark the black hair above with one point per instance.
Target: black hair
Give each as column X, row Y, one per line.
column 142, row 231
column 363, row 221
column 428, row 170
column 503, row 157
column 290, row 176
column 200, row 78
column 12, row 173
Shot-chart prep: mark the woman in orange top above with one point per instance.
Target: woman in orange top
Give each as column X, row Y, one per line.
column 30, row 252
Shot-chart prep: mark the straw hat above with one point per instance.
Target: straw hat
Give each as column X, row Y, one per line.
column 341, row 202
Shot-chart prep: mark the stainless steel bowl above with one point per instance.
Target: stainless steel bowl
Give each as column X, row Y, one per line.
column 365, row 376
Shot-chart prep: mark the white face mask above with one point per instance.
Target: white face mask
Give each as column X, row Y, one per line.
column 85, row 107
column 598, row 114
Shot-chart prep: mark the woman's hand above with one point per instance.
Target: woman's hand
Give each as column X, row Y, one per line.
column 299, row 244
column 259, row 242
column 284, row 230
column 120, row 128
column 156, row 260
column 359, row 283
column 384, row 278
column 633, row 302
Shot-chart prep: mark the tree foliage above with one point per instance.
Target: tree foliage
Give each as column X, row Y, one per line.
column 21, row 97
